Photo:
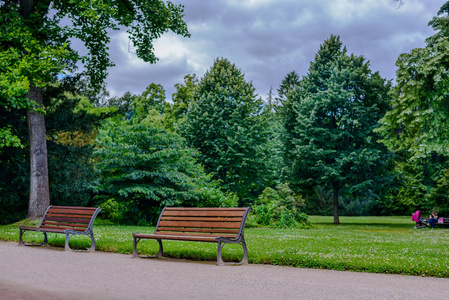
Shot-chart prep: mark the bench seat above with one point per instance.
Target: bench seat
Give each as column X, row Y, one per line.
column 211, row 225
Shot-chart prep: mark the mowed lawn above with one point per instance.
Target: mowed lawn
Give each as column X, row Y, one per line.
column 366, row 244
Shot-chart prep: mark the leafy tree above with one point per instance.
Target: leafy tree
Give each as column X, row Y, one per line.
column 419, row 117
column 329, row 124
column 123, row 104
column 144, row 168
column 34, row 48
column 71, row 122
column 225, row 123
column 152, row 98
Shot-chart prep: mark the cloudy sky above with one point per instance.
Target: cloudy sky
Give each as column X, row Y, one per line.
column 267, row 39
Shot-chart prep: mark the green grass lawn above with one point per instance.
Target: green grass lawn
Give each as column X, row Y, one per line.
column 366, row 244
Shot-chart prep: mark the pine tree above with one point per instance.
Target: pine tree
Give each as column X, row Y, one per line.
column 225, row 122
column 329, row 124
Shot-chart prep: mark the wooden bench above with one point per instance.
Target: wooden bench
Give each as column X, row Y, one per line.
column 213, row 225
column 67, row 220
column 445, row 222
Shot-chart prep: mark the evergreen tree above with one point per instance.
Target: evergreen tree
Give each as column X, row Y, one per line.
column 329, row 124
column 225, row 122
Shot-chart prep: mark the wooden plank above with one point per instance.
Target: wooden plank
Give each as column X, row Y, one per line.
column 207, row 219
column 177, row 237
column 204, row 213
column 64, row 224
column 195, row 234
column 49, row 228
column 235, row 225
column 71, row 211
column 67, row 220
column 183, row 229
column 74, row 207
column 71, row 215
column 206, row 208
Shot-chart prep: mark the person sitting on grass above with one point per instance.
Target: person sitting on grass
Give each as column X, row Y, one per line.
column 433, row 219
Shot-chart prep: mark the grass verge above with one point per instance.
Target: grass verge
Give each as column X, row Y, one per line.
column 365, row 244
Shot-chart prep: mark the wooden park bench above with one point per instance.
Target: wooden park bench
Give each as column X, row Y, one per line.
column 67, row 220
column 213, row 225
column 445, row 222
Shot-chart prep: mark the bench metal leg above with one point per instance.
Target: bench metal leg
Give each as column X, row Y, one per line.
column 135, row 241
column 22, row 243
column 220, row 261
column 160, row 254
column 69, row 235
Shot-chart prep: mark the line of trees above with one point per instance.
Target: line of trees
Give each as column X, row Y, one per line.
column 339, row 139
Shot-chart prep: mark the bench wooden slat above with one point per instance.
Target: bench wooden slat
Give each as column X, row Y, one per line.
column 216, row 219
column 67, row 220
column 59, row 229
column 207, row 230
column 52, row 224
column 71, row 215
column 234, row 225
column 71, row 211
column 178, row 233
column 204, row 213
column 64, row 227
column 178, row 237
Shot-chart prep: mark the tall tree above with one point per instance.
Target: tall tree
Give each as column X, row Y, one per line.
column 329, row 124
column 34, row 49
column 419, row 119
column 288, row 84
column 226, row 125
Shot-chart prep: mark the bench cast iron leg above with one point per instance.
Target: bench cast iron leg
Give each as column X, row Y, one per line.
column 66, row 245
column 135, row 241
column 160, row 254
column 69, row 235
column 220, row 261
column 22, row 243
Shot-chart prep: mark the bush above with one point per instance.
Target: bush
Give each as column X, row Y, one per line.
column 280, row 209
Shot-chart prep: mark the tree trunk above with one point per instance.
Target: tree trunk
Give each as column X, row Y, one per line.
column 39, row 190
column 335, row 190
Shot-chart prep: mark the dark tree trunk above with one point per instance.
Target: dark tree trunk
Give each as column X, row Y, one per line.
column 336, row 189
column 39, row 190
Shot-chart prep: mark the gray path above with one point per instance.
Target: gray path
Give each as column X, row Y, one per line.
column 49, row 273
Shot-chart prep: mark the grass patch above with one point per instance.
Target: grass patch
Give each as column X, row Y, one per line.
column 365, row 244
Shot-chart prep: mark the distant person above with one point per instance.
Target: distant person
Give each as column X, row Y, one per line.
column 433, row 219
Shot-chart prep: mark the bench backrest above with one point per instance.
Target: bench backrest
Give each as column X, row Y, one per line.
column 224, row 222
column 69, row 217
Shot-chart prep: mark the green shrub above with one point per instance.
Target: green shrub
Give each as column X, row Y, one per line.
column 279, row 208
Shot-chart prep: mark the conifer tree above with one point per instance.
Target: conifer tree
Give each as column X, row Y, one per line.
column 329, row 124
column 225, row 122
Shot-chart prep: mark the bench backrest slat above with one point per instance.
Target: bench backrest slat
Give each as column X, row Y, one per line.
column 224, row 222
column 68, row 217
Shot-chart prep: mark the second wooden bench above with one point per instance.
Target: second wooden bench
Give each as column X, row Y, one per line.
column 67, row 220
column 213, row 225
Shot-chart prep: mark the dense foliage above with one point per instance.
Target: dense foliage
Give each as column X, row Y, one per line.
column 226, row 124
column 144, row 168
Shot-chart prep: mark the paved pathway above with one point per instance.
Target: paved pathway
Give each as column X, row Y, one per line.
column 47, row 273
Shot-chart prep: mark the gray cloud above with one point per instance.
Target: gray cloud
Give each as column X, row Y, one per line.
column 268, row 39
